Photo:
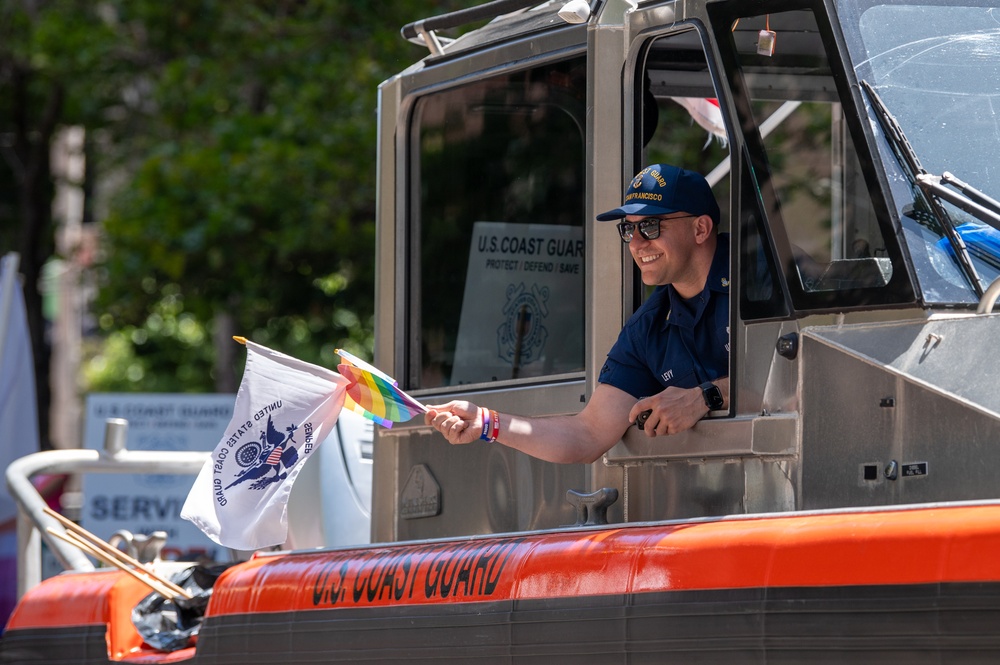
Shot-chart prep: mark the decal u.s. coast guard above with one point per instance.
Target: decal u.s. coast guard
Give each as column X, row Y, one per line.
column 521, row 337
column 266, row 461
column 261, row 451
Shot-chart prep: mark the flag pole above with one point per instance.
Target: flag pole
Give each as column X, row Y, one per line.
column 143, row 576
column 97, row 543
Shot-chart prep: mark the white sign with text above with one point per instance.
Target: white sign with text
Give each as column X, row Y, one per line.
column 522, row 311
column 145, row 503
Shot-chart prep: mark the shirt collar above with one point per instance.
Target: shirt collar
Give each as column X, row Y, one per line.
column 718, row 275
column 718, row 281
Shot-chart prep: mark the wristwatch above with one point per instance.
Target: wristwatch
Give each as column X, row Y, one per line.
column 712, row 395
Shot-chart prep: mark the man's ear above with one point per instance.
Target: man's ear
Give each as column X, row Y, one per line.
column 702, row 228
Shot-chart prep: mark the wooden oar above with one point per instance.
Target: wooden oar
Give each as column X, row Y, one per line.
column 115, row 553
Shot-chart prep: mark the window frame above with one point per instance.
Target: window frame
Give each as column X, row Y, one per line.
column 899, row 291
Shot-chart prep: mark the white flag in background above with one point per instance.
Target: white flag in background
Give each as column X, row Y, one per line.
column 284, row 409
column 705, row 112
column 18, row 414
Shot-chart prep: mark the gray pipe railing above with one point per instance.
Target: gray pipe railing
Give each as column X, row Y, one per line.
column 114, row 458
column 461, row 17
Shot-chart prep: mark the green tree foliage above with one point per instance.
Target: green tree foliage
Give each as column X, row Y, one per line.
column 240, row 137
column 251, row 203
column 53, row 57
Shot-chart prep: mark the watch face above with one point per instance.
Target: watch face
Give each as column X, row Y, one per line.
column 713, row 396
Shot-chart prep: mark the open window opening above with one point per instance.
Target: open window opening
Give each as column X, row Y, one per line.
column 679, row 121
column 678, row 118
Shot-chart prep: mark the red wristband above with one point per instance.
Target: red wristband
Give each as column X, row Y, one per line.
column 496, row 426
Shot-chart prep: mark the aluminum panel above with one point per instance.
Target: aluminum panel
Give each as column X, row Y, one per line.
column 705, row 488
column 871, row 408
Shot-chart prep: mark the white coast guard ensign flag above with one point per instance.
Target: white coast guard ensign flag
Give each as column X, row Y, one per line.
column 284, row 409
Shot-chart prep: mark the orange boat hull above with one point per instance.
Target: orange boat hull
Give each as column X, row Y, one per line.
column 906, row 585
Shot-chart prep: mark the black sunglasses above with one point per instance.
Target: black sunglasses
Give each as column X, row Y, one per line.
column 649, row 228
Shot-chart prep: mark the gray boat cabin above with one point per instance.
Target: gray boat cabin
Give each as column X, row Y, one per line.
column 853, row 147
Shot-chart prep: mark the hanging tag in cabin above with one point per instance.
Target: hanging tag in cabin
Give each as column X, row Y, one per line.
column 765, row 42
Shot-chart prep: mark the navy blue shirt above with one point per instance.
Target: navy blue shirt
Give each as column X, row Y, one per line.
column 670, row 341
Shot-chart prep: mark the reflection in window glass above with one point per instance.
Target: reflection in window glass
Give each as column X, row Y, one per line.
column 835, row 238
column 498, row 174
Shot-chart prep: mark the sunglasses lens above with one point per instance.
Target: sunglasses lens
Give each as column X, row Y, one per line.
column 627, row 230
column 650, row 229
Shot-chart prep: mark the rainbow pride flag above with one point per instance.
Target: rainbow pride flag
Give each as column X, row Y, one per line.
column 374, row 394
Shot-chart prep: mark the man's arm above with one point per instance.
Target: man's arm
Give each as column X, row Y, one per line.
column 582, row 437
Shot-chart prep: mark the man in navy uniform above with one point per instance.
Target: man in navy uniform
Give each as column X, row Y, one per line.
column 670, row 365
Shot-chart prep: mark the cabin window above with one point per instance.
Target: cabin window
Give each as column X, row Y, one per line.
column 833, row 239
column 497, row 187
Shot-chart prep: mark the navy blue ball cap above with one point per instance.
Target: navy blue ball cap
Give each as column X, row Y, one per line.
column 663, row 189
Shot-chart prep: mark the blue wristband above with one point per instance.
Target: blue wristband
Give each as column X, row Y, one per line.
column 484, row 415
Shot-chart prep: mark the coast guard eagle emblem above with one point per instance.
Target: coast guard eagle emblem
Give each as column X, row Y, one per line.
column 521, row 337
column 270, row 454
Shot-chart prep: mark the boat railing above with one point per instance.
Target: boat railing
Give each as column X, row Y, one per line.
column 113, row 458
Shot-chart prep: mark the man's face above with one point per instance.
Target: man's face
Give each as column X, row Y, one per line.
column 666, row 258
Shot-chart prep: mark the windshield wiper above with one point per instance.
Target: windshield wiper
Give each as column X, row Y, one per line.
column 976, row 203
column 931, row 188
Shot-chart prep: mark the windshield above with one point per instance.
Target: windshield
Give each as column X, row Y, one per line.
column 937, row 68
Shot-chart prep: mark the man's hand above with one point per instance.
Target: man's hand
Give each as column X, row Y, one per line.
column 458, row 421
column 671, row 411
